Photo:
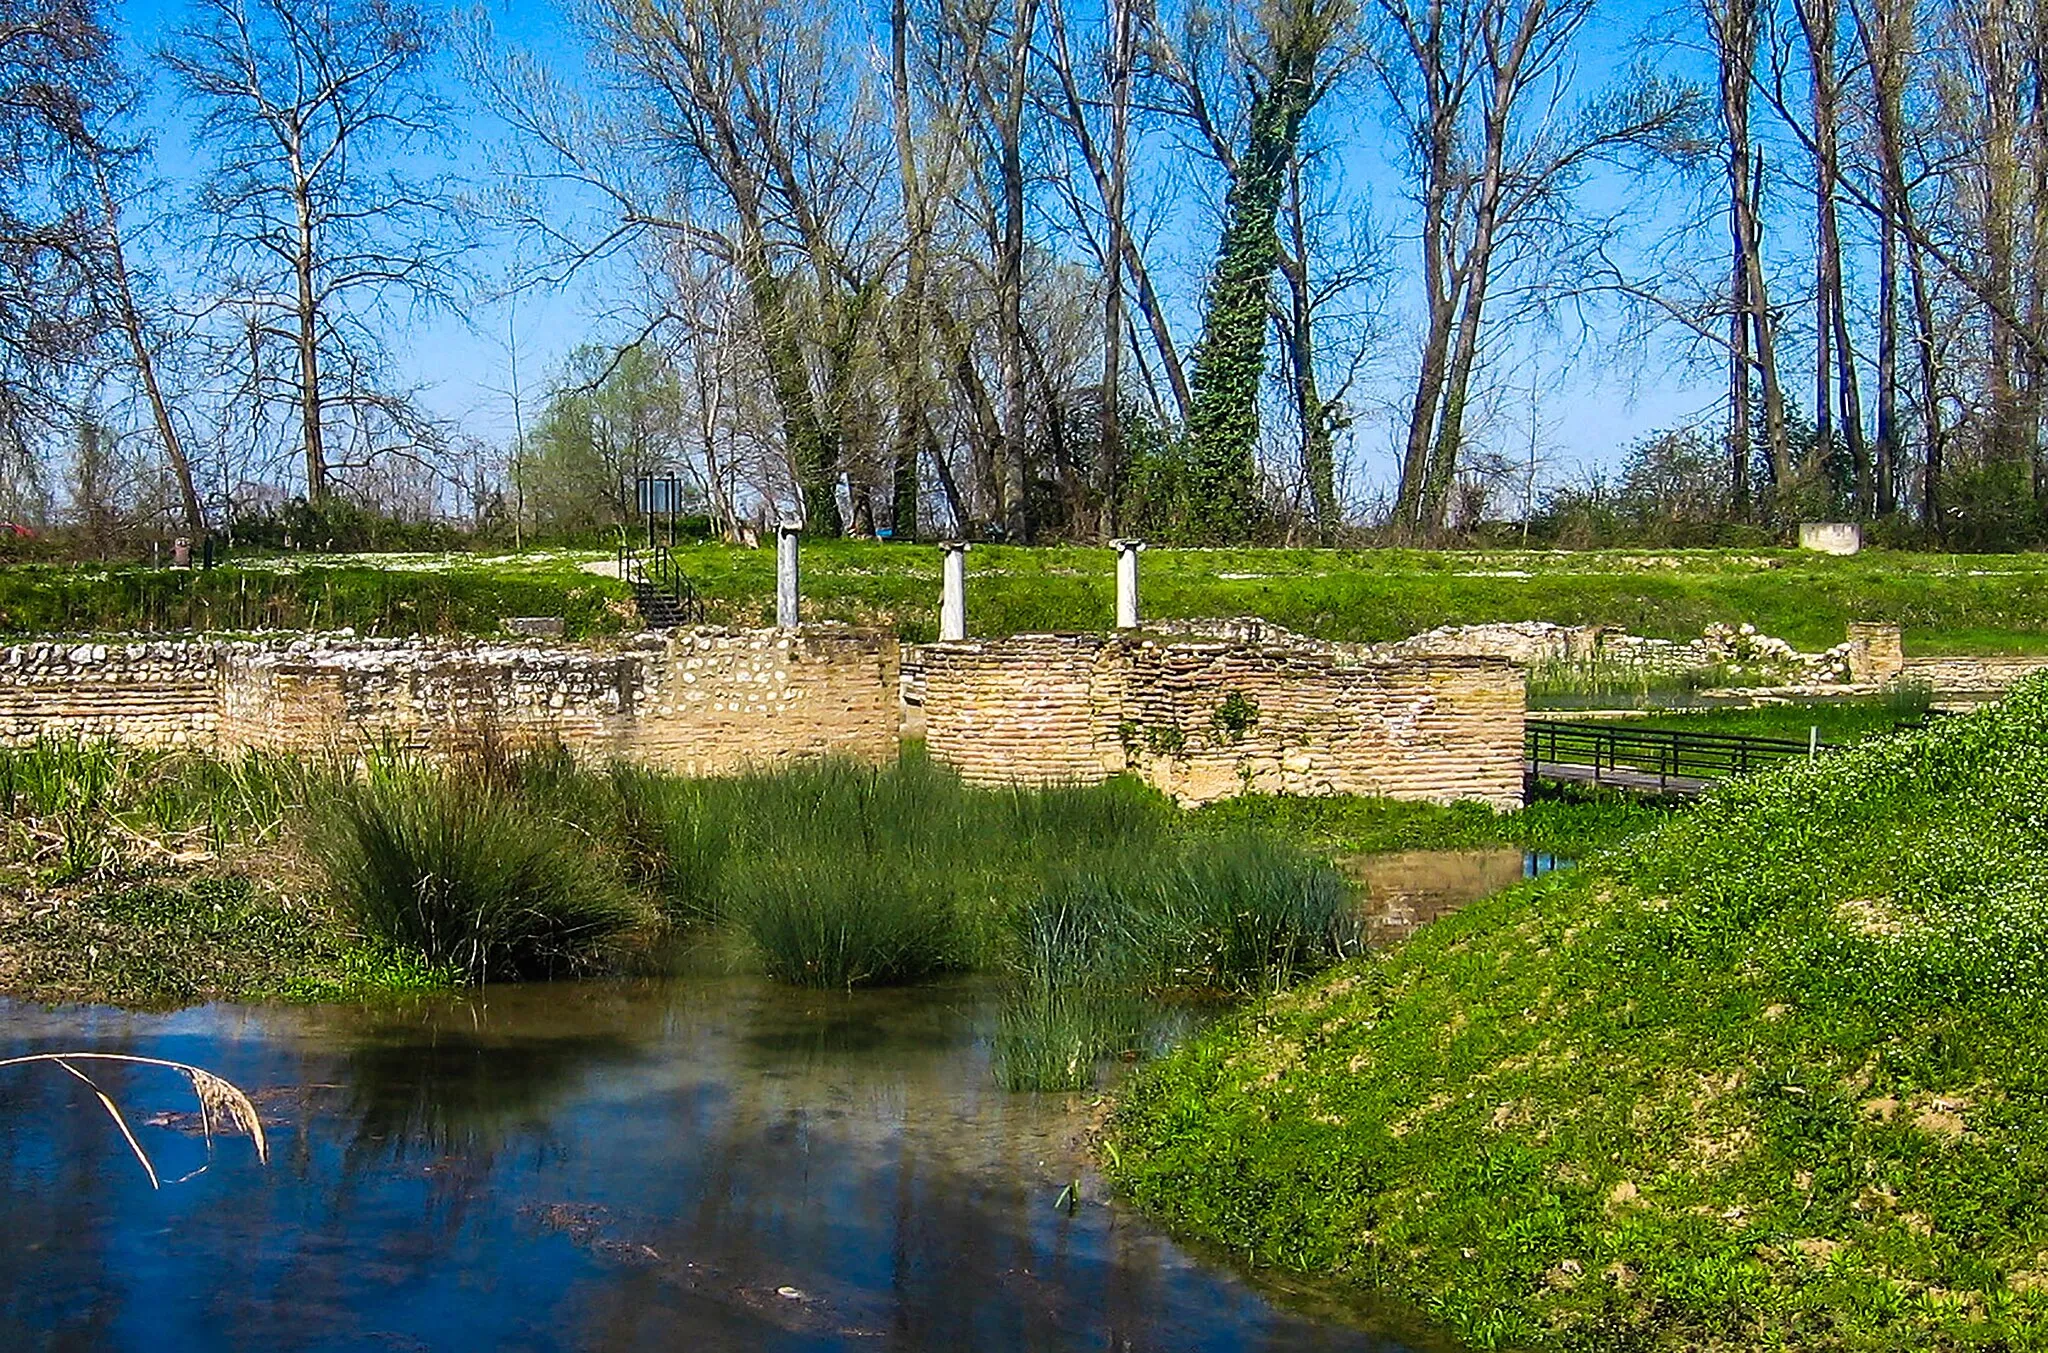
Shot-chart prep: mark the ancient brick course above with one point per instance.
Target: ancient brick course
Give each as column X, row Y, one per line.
column 701, row 701
column 1207, row 719
column 157, row 694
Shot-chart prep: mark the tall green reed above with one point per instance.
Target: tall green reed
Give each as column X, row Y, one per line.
column 470, row 876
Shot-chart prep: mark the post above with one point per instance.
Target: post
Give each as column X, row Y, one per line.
column 1127, row 582
column 953, row 592
column 785, row 575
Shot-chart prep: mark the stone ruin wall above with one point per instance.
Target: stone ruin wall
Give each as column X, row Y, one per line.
column 702, row 701
column 157, row 694
column 1312, row 718
column 717, row 700
column 1203, row 720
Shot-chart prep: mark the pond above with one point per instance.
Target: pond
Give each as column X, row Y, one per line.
column 700, row 1163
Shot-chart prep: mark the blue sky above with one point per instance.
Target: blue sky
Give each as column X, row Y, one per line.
column 1589, row 406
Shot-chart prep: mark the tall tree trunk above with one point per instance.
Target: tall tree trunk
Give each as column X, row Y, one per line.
column 1450, row 432
column 1223, row 430
column 1777, row 436
column 1109, row 418
column 1312, row 416
column 1440, row 287
column 1886, row 449
column 911, row 383
column 307, row 314
column 1010, row 279
column 145, row 365
column 812, row 447
column 1836, row 364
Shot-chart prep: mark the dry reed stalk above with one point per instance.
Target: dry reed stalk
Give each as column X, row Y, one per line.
column 220, row 1102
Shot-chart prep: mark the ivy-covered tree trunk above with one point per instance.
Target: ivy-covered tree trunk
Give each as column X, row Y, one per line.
column 813, row 447
column 1223, row 424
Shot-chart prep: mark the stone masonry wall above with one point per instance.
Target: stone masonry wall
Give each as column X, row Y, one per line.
column 428, row 697
column 1021, row 711
column 1204, row 720
column 702, row 701
column 158, row 694
column 715, row 701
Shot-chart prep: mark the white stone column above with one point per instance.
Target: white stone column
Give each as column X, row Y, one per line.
column 1127, row 582
column 953, row 592
column 786, row 536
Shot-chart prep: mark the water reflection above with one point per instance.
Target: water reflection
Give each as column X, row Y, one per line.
column 699, row 1164
column 1406, row 890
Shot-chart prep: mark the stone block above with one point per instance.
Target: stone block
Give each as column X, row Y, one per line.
column 1830, row 537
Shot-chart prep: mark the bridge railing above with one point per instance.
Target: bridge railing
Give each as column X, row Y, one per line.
column 1672, row 758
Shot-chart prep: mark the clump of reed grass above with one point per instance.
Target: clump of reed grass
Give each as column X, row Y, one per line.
column 470, row 876
column 1235, row 914
column 676, row 843
column 1051, row 1039
column 1247, row 914
column 846, row 922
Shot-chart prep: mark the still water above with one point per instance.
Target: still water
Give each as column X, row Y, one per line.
column 1402, row 891
column 697, row 1163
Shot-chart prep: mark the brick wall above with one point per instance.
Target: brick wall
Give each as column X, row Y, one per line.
column 1207, row 719
column 699, row 701
column 1034, row 709
column 158, row 694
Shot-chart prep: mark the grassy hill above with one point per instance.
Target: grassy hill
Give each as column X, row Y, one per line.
column 1946, row 603
column 1771, row 1075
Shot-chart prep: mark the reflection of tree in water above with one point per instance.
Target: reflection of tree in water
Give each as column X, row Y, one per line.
column 435, row 1088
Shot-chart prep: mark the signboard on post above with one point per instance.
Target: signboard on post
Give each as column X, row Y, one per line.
column 658, row 496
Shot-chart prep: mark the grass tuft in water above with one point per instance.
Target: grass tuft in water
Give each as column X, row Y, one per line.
column 470, row 877
column 844, row 923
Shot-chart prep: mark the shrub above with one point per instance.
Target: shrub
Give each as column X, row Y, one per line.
column 469, row 877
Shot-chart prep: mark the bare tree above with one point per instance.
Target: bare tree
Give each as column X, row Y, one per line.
column 56, row 67
column 1496, row 157
column 311, row 109
column 144, row 341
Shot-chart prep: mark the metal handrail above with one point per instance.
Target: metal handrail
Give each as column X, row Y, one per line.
column 1668, row 754
column 658, row 570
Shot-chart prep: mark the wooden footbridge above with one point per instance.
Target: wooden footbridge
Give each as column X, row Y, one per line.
column 1618, row 755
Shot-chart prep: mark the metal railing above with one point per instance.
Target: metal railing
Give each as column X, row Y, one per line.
column 655, row 572
column 1617, row 753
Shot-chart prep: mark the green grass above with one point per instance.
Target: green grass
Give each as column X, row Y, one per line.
column 1946, row 603
column 168, row 941
column 1570, row 823
column 1769, row 1075
column 460, row 595
column 1838, row 721
column 830, row 873
column 470, row 877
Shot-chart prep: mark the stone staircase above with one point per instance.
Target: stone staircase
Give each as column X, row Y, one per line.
column 662, row 593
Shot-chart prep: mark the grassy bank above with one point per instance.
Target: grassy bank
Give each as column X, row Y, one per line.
column 406, row 595
column 1946, row 603
column 1767, row 1076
